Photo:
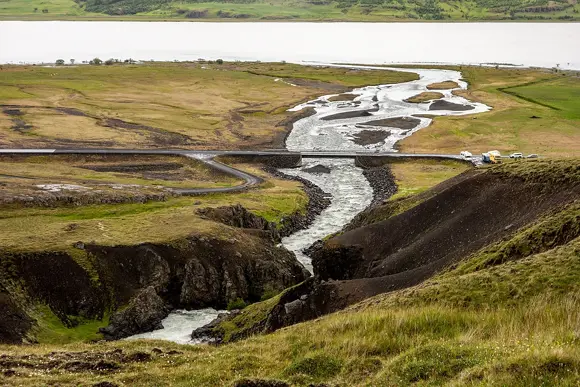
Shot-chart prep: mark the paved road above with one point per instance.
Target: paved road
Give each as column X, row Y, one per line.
column 249, row 179
column 207, row 157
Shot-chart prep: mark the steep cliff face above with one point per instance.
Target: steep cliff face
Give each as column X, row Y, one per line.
column 91, row 281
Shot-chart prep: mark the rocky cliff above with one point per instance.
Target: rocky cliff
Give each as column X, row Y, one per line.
column 87, row 281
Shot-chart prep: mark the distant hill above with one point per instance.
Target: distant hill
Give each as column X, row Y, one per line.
column 340, row 10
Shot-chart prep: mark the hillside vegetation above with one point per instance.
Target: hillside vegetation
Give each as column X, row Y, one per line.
column 167, row 105
column 532, row 112
column 506, row 314
column 300, row 10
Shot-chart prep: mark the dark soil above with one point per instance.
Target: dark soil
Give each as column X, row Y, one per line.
column 369, row 137
column 350, row 114
column 396, row 122
column 317, row 169
column 445, row 105
column 20, row 125
column 12, row 112
column 14, row 323
column 238, row 216
column 129, row 168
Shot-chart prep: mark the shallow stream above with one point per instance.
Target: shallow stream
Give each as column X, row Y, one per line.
column 330, row 129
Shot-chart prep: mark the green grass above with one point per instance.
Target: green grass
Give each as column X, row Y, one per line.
column 532, row 112
column 232, row 105
column 414, row 177
column 511, row 323
column 50, row 329
column 36, row 229
column 341, row 10
column 563, row 95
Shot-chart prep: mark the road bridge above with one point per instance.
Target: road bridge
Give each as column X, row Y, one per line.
column 208, row 157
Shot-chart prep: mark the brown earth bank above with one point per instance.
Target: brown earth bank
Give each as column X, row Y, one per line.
column 343, row 97
column 148, row 279
column 401, row 243
column 443, row 85
column 424, row 97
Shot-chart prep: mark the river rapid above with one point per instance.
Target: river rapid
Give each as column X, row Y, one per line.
column 329, row 130
column 345, row 184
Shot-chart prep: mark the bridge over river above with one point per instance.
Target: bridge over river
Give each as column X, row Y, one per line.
column 282, row 158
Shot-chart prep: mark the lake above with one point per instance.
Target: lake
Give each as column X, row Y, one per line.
column 529, row 44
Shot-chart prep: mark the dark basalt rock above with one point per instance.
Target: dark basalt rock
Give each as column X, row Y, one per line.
column 446, row 105
column 238, row 216
column 351, row 114
column 395, row 122
column 144, row 314
column 317, row 169
column 369, row 137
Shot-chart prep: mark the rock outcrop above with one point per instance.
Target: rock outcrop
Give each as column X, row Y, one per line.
column 238, row 216
column 193, row 272
column 144, row 314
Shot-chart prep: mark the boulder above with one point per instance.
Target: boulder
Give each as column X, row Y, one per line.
column 144, row 314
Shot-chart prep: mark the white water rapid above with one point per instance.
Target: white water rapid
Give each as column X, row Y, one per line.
column 325, row 131
column 177, row 327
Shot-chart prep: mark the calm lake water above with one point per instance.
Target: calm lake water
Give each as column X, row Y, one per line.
column 530, row 44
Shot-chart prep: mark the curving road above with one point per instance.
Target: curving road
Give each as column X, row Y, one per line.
column 208, row 157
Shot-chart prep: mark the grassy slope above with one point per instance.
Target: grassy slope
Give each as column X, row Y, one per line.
column 509, row 126
column 512, row 321
column 298, row 10
column 221, row 106
column 112, row 224
column 413, row 177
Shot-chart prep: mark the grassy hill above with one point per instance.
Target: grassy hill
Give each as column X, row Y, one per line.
column 289, row 10
column 507, row 314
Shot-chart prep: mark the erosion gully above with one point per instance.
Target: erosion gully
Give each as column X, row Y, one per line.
column 345, row 125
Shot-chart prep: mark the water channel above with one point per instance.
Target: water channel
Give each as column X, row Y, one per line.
column 376, row 112
column 530, row 44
